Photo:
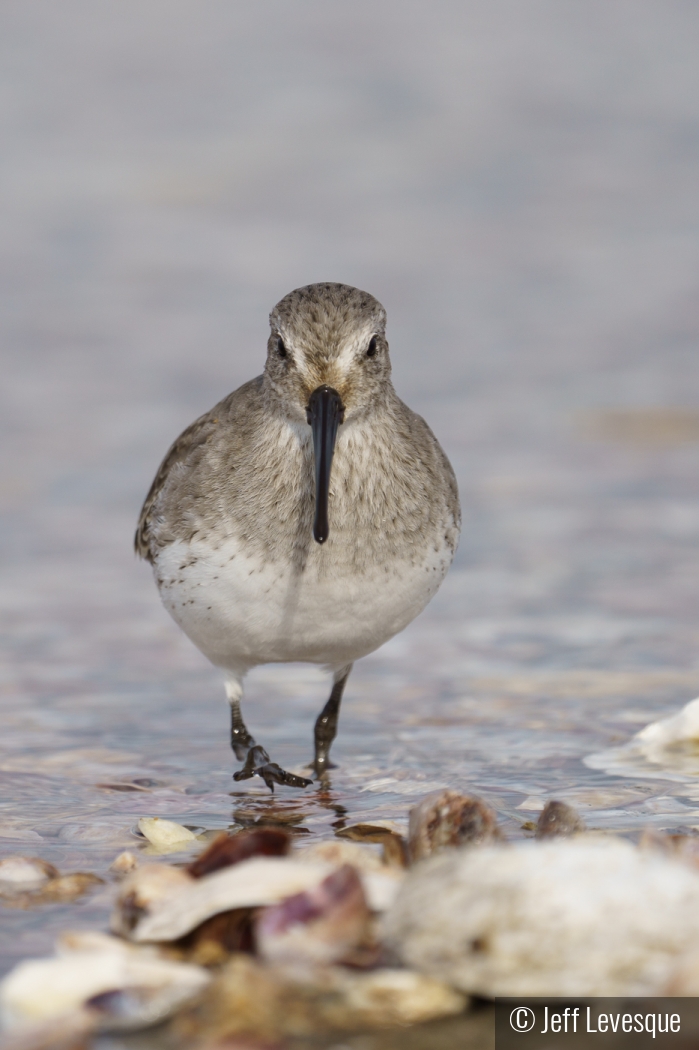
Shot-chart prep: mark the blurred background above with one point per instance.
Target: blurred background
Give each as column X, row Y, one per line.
column 516, row 181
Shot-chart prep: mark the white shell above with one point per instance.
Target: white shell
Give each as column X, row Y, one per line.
column 402, row 997
column 91, row 964
column 254, row 882
column 249, row 998
column 18, row 874
column 124, row 863
column 165, row 835
column 667, row 749
column 678, row 728
column 337, row 852
column 584, row 916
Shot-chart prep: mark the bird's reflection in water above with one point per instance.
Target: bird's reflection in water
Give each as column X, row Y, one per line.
column 290, row 814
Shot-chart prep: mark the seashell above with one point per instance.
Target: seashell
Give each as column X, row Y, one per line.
column 69, row 1032
column 684, row 848
column 226, row 850
column 318, row 926
column 666, row 749
column 124, row 863
column 144, row 889
column 684, row 976
column 399, row 997
column 67, row 888
column 252, row 998
column 142, row 1005
column 395, row 848
column 122, row 986
column 165, row 835
column 337, row 853
column 680, row 728
column 584, row 916
column 19, row 874
column 557, row 820
column 444, row 819
column 59, row 889
column 155, row 906
column 211, row 943
column 71, row 941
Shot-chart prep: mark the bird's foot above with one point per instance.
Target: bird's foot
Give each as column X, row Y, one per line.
column 258, row 764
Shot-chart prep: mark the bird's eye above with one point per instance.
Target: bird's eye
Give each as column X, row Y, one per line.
column 281, row 349
column 371, row 349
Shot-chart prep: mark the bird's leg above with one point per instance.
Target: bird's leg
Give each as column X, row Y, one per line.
column 257, row 761
column 326, row 723
column 241, row 740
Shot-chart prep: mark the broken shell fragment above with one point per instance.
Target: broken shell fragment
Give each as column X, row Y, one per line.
column 337, row 853
column 145, row 889
column 32, row 882
column 582, row 916
column 666, row 748
column 226, row 850
column 165, row 835
column 684, row 848
column 445, row 819
column 153, row 907
column 19, row 874
column 124, row 863
column 317, row 926
column 400, row 997
column 394, row 846
column 71, row 941
column 269, row 1002
column 558, row 820
column 211, row 943
column 121, row 985
column 67, row 888
column 680, row 728
column 69, row 1032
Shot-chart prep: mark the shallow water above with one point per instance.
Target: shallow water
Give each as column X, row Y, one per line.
column 516, row 182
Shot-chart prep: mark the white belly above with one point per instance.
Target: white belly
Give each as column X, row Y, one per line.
column 242, row 613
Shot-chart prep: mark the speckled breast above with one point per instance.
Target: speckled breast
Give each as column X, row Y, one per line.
column 241, row 612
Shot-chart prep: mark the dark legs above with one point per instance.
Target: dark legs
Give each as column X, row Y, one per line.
column 241, row 741
column 326, row 723
column 257, row 761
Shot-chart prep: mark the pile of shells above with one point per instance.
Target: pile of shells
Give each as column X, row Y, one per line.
column 256, row 938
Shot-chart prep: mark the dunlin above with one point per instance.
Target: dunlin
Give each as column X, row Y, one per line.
column 309, row 516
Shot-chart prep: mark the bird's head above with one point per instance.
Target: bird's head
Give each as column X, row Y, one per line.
column 327, row 364
column 328, row 335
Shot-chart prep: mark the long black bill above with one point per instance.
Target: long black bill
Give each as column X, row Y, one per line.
column 325, row 412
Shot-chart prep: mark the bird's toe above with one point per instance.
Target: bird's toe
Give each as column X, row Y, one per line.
column 272, row 774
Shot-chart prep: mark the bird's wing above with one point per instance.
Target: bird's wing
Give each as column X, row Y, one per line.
column 191, row 462
column 191, row 439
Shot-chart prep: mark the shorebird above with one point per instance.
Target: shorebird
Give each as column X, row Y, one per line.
column 309, row 516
